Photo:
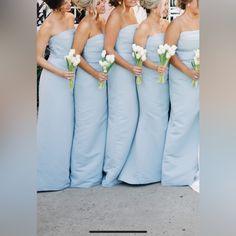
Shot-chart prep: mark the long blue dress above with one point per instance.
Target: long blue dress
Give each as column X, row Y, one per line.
column 90, row 121
column 180, row 161
column 55, row 119
column 123, row 109
column 144, row 163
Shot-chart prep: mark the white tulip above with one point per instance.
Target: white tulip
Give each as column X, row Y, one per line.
column 171, row 52
column 72, row 53
column 75, row 64
column 104, row 53
column 161, row 47
column 78, row 58
column 173, row 47
column 106, row 64
column 139, row 49
column 144, row 58
column 164, row 51
column 109, row 58
column 68, row 57
column 159, row 51
column 143, row 52
column 134, row 47
column 138, row 56
column 101, row 63
column 168, row 56
column 166, row 47
column 112, row 58
column 197, row 53
column 196, row 61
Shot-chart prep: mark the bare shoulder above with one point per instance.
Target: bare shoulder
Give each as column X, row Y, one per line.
column 174, row 25
column 144, row 27
column 70, row 16
column 165, row 24
column 46, row 28
column 84, row 24
column 115, row 14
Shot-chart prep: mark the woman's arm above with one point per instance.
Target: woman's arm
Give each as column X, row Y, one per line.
column 81, row 36
column 43, row 36
column 171, row 37
column 111, row 33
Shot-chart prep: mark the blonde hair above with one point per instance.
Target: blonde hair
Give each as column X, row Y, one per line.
column 85, row 4
column 150, row 4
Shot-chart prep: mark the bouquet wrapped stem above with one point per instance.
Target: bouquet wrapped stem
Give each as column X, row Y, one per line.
column 165, row 52
column 196, row 66
column 72, row 61
column 71, row 68
column 162, row 75
column 139, row 55
column 106, row 63
column 139, row 78
column 101, row 84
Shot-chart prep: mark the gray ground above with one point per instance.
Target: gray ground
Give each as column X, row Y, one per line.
column 167, row 211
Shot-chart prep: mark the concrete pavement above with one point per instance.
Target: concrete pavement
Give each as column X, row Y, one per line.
column 161, row 211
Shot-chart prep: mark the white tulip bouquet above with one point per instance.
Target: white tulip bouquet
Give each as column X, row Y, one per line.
column 106, row 62
column 139, row 55
column 196, row 65
column 165, row 52
column 72, row 61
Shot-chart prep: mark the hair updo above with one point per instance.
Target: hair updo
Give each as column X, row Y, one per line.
column 54, row 4
column 84, row 4
column 183, row 3
column 149, row 4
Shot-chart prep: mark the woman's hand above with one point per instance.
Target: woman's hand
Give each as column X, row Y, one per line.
column 136, row 70
column 67, row 74
column 193, row 74
column 161, row 69
column 101, row 76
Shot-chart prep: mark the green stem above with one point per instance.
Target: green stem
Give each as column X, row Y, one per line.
column 194, row 83
column 101, row 84
column 139, row 80
column 162, row 78
column 71, row 84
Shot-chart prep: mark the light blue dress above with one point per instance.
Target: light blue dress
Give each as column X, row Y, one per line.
column 144, row 163
column 180, row 161
column 55, row 119
column 90, row 120
column 123, row 109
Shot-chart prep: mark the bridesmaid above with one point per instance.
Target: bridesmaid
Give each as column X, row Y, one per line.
column 122, row 94
column 90, row 102
column 145, row 159
column 180, row 162
column 55, row 115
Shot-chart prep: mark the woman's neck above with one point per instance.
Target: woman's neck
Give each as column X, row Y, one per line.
column 59, row 14
column 191, row 15
column 128, row 10
column 154, row 17
column 96, row 18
